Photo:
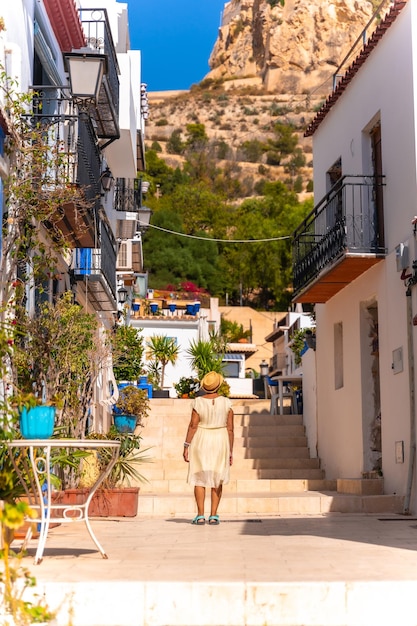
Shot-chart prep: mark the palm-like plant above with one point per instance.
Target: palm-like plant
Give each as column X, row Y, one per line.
column 206, row 356
column 163, row 350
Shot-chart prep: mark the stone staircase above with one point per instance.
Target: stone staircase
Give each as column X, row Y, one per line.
column 272, row 471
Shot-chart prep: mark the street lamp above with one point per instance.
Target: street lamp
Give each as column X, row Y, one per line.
column 85, row 71
column 107, row 179
column 144, row 218
column 122, row 294
column 263, row 366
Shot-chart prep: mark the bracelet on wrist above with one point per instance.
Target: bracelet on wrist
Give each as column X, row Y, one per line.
column 186, row 445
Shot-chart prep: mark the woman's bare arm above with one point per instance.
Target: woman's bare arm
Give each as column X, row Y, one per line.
column 230, row 432
column 192, row 427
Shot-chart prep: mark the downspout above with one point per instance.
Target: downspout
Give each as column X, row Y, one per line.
column 411, row 373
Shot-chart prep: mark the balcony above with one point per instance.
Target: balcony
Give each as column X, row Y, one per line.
column 73, row 160
column 96, row 268
column 340, row 239
column 99, row 39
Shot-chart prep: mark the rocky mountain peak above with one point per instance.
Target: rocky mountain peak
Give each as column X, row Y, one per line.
column 287, row 46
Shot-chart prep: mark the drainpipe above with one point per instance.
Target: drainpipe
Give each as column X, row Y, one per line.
column 411, row 373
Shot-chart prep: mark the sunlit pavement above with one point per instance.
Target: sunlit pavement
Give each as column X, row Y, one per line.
column 333, row 570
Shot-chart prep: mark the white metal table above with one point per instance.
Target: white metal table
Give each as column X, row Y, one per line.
column 295, row 379
column 40, row 491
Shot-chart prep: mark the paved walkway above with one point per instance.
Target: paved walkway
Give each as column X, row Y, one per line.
column 331, row 570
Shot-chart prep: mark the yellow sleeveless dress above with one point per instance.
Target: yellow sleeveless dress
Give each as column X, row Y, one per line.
column 209, row 452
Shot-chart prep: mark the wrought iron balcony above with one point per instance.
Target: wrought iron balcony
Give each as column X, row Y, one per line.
column 96, row 267
column 127, row 194
column 73, row 160
column 340, row 239
column 99, row 39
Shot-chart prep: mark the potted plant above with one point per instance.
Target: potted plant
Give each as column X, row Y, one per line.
column 187, row 387
column 131, row 407
column 36, row 417
column 56, row 357
column 117, row 496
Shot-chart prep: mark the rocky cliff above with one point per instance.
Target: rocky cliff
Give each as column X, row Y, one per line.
column 287, row 46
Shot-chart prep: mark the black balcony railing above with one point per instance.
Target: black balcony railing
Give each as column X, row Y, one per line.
column 97, row 267
column 74, row 156
column 127, row 195
column 98, row 36
column 346, row 220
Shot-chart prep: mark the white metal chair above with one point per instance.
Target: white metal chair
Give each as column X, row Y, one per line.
column 271, row 391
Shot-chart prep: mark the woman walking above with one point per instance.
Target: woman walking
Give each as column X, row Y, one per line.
column 208, row 446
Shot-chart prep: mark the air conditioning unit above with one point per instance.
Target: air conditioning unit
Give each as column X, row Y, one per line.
column 129, row 257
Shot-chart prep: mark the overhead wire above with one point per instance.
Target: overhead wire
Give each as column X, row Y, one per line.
column 173, row 232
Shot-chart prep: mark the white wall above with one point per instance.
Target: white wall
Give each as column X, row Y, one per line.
column 384, row 87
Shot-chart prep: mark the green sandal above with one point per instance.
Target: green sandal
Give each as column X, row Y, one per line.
column 213, row 520
column 200, row 520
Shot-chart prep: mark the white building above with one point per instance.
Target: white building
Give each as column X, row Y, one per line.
column 355, row 257
column 100, row 138
column 178, row 320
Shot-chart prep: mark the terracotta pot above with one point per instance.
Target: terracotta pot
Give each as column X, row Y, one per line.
column 121, row 502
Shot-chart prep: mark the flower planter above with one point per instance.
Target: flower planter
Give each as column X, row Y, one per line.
column 121, row 502
column 37, row 422
column 125, row 423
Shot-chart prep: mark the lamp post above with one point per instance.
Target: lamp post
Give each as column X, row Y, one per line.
column 107, row 179
column 122, row 297
column 263, row 367
column 86, row 70
column 144, row 218
column 122, row 294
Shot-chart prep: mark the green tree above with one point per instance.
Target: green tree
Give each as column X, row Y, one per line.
column 162, row 350
column 197, row 138
column 253, row 150
column 175, row 145
column 260, row 273
column 127, row 348
column 285, row 140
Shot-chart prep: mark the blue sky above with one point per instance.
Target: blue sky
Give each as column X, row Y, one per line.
column 176, row 38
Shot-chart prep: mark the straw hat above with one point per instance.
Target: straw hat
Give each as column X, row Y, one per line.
column 211, row 382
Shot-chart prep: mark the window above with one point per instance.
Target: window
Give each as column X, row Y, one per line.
column 334, row 208
column 122, row 259
column 232, row 364
column 338, row 355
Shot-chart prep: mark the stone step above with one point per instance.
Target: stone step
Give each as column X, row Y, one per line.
column 307, row 503
column 239, row 464
column 179, row 486
column 242, row 474
column 271, row 453
column 268, row 441
column 241, row 458
column 252, row 429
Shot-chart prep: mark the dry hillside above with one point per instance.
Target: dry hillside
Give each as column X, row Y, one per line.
column 232, row 117
column 273, row 62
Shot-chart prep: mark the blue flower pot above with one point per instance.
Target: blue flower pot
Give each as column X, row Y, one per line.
column 125, row 423
column 37, row 422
